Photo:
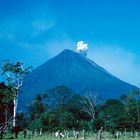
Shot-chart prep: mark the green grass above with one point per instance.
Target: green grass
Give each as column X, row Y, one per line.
column 52, row 137
column 93, row 138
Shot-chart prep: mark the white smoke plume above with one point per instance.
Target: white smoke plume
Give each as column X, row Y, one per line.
column 82, row 48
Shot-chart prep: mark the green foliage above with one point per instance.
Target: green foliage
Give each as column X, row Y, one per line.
column 66, row 120
column 36, row 108
column 112, row 115
column 44, row 114
column 7, row 93
column 132, row 109
column 14, row 72
column 22, row 120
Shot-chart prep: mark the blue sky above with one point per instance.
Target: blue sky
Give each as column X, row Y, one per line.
column 36, row 30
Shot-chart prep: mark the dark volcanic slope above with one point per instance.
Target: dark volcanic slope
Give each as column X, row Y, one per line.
column 74, row 71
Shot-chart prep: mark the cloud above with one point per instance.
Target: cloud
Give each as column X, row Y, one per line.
column 81, row 46
column 29, row 25
column 119, row 62
column 33, row 40
column 22, row 37
column 42, row 26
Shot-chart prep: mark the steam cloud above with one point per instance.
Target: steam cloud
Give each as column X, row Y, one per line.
column 82, row 47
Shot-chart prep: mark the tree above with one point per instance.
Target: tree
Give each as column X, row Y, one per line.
column 66, row 119
column 22, row 120
column 89, row 103
column 36, row 108
column 132, row 108
column 53, row 110
column 7, row 94
column 59, row 96
column 15, row 72
column 113, row 115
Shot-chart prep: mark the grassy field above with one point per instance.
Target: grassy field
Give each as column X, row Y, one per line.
column 45, row 138
column 52, row 137
column 88, row 138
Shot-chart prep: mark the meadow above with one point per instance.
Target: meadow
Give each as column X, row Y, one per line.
column 51, row 136
column 88, row 138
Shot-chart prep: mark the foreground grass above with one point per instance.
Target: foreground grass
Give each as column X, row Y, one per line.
column 48, row 137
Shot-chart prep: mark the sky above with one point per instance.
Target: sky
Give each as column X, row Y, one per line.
column 33, row 31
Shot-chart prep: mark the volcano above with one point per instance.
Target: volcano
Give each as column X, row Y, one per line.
column 76, row 72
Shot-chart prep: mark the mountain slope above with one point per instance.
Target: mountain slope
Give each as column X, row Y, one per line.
column 74, row 71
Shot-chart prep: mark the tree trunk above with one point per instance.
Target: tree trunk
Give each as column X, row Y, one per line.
column 15, row 110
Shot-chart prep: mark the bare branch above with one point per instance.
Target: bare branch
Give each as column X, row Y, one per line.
column 89, row 103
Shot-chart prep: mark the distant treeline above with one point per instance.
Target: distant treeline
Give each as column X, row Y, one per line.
column 61, row 109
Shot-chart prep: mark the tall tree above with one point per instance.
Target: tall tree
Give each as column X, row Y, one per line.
column 15, row 72
column 6, row 107
column 89, row 103
column 113, row 115
column 132, row 108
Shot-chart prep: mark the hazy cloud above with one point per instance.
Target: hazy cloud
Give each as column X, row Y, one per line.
column 119, row 62
column 25, row 35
